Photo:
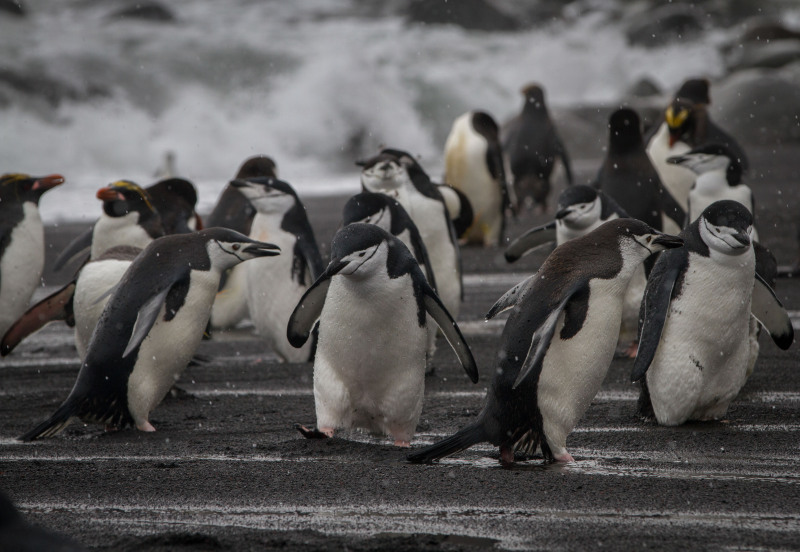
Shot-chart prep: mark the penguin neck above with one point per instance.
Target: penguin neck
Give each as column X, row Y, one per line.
column 715, row 180
column 534, row 110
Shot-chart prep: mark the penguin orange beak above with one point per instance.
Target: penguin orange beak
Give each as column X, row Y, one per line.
column 198, row 222
column 109, row 194
column 47, row 182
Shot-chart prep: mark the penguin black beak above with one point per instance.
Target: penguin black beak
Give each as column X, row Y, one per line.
column 262, row 249
column 45, row 183
column 676, row 159
column 668, row 241
column 239, row 183
column 742, row 238
column 563, row 213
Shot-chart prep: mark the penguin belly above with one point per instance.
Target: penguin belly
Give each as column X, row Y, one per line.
column 705, row 348
column 112, row 231
column 370, row 360
column 94, row 281
column 230, row 304
column 21, row 266
column 574, row 369
column 272, row 293
column 676, row 179
column 169, row 346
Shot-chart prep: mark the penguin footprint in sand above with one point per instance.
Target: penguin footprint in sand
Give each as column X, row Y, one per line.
column 371, row 303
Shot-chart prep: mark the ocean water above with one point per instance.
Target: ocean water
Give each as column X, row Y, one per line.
column 314, row 84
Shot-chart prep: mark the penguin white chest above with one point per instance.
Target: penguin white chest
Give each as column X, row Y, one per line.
column 21, row 266
column 702, row 358
column 169, row 346
column 370, row 360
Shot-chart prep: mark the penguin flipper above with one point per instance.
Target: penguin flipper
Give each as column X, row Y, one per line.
column 769, row 311
column 57, row 306
column 533, row 238
column 79, row 248
column 308, row 309
column 462, row 440
column 655, row 306
column 54, row 424
column 509, row 298
column 145, row 319
column 451, row 332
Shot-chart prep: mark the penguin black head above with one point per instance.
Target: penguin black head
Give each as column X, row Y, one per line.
column 23, row 187
column 356, row 251
column 711, row 157
column 726, row 226
column 632, row 233
column 391, row 169
column 227, row 248
column 679, row 119
column 260, row 165
column 370, row 208
column 534, row 96
column 175, row 200
column 124, row 197
column 579, row 206
column 625, row 133
column 695, row 91
column 268, row 195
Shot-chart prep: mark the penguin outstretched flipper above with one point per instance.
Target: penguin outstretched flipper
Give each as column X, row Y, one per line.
column 57, row 306
column 145, row 318
column 769, row 311
column 462, row 440
column 78, row 249
column 655, row 307
column 437, row 310
column 309, row 308
column 533, row 238
column 509, row 298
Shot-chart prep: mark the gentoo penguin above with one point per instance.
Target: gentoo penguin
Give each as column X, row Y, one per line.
column 371, row 303
column 21, row 241
column 532, row 145
column 233, row 210
column 557, row 344
column 175, row 200
column 581, row 209
column 459, row 208
column 719, row 176
column 150, row 329
column 628, row 176
column 396, row 174
column 695, row 348
column 474, row 165
column 275, row 286
column 129, row 218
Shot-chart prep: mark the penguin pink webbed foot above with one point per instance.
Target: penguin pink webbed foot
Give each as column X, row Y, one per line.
column 506, row 456
column 314, row 433
column 145, row 426
column 565, row 458
column 402, row 443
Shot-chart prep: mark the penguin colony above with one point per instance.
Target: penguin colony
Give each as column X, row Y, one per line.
column 151, row 279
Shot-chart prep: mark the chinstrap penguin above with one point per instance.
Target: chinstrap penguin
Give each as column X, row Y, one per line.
column 150, row 329
column 695, row 350
column 372, row 303
column 557, row 344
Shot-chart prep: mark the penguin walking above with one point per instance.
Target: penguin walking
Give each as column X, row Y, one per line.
column 150, row 329
column 474, row 165
column 396, row 174
column 233, row 210
column 628, row 176
column 582, row 209
column 371, row 303
column 557, row 344
column 719, row 176
column 275, row 286
column 21, row 241
column 695, row 351
column 532, row 145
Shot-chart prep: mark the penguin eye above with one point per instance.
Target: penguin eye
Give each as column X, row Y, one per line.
column 362, row 254
column 236, row 247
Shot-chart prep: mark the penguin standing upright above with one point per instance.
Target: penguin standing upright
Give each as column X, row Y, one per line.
column 532, row 145
column 150, row 329
column 233, row 210
column 459, row 208
column 275, row 286
column 695, row 348
column 628, row 176
column 557, row 344
column 396, row 174
column 373, row 288
column 175, row 200
column 21, row 241
column 474, row 165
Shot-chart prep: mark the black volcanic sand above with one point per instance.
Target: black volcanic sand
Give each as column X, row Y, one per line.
column 226, row 470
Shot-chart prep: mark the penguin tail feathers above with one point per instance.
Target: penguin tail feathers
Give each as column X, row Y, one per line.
column 54, row 424
column 462, row 440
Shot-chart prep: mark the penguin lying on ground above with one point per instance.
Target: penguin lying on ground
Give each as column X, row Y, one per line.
column 150, row 329
column 396, row 174
column 474, row 165
column 557, row 344
column 233, row 210
column 695, row 348
column 532, row 145
column 275, row 286
column 21, row 241
column 581, row 210
column 371, row 303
